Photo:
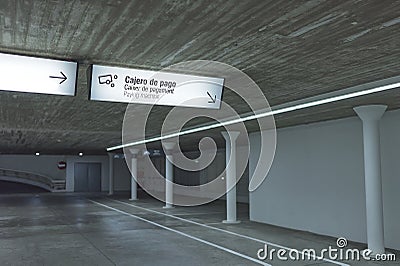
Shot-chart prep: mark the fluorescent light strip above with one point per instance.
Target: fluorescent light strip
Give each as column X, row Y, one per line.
column 261, row 115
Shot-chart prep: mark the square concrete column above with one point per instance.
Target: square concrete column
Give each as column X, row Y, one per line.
column 134, row 153
column 110, row 173
column 370, row 116
column 230, row 139
column 169, row 173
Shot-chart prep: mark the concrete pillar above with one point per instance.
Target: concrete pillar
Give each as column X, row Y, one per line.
column 110, row 173
column 169, row 173
column 134, row 153
column 370, row 116
column 230, row 139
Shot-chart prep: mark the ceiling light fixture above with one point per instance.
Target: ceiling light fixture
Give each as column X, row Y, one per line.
column 37, row 153
column 261, row 115
column 80, row 154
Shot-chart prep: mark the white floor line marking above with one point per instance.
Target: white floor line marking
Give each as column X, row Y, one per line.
column 183, row 234
column 228, row 232
column 212, row 223
column 198, row 213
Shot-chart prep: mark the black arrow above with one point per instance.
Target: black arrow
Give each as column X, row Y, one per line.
column 63, row 78
column 212, row 99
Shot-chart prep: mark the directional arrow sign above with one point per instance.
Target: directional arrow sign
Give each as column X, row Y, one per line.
column 63, row 77
column 37, row 75
column 213, row 99
column 114, row 84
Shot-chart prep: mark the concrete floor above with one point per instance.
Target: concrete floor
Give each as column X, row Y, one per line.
column 70, row 229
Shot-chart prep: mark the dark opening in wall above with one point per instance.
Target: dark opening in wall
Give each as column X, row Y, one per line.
column 7, row 187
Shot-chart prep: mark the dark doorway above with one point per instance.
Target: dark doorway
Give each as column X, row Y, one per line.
column 8, row 187
column 87, row 177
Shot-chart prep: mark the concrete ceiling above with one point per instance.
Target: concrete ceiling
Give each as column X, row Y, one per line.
column 291, row 49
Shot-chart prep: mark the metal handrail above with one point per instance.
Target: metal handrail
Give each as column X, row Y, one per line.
column 48, row 181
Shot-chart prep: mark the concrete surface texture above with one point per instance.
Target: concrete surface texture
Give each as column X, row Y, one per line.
column 292, row 50
column 48, row 229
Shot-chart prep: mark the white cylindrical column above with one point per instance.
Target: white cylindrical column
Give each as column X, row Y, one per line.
column 110, row 173
column 169, row 173
column 230, row 139
column 134, row 153
column 370, row 116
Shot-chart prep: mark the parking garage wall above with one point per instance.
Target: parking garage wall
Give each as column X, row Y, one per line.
column 44, row 164
column 122, row 175
column 121, row 172
column 216, row 168
column 48, row 165
column 316, row 182
column 202, row 176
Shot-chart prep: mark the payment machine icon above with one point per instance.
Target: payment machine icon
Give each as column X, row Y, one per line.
column 107, row 79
